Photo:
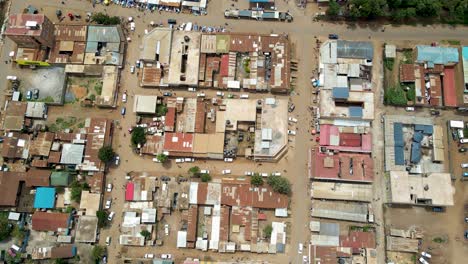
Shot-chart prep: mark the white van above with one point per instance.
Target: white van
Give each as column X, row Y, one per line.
column 111, row 216
column 132, row 26
column 244, row 96
column 464, row 140
column 464, row 165
column 108, row 240
column 188, row 27
column 15, row 248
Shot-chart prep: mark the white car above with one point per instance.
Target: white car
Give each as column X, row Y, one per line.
column 181, row 160
column 205, row 171
column 132, row 69
column 111, row 216
column 409, row 109
column 292, row 132
column 189, row 159
column 117, row 160
column 264, row 174
column 300, row 247
column 156, row 160
column 166, row 229
column 228, row 159
column 220, row 94
column 423, row 261
column 109, row 187
column 166, row 256
column 464, row 165
column 292, row 119
column 192, row 89
column 425, row 254
column 149, row 256
column 276, row 174
column 132, row 26
column 305, row 260
column 108, row 241
column 248, row 173
column 124, row 97
column 201, row 94
column 244, row 96
column 108, row 204
column 226, row 171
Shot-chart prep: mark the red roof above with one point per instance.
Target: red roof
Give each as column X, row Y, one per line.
column 170, row 118
column 224, row 71
column 178, row 142
column 43, row 221
column 358, row 239
column 17, row 24
column 192, row 223
column 450, row 97
column 129, row 191
column 350, row 140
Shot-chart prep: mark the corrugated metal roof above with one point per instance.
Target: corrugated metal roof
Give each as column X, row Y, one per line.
column 355, row 111
column 426, row 129
column 398, row 134
column 399, row 155
column 340, row 92
column 355, row 49
column 415, row 152
column 418, row 136
column 465, row 63
column 437, row 55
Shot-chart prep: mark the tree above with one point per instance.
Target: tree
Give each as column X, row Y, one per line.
column 146, row 234
column 138, row 136
column 104, row 19
column 256, row 180
column 161, row 110
column 267, row 230
column 194, row 171
column 162, row 157
column 333, row 9
column 279, row 184
column 60, row 261
column 18, row 233
column 76, row 189
column 428, row 8
column 98, row 252
column 106, row 154
column 102, row 218
column 5, row 228
column 205, row 177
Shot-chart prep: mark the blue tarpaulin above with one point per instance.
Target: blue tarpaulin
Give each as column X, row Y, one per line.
column 45, row 198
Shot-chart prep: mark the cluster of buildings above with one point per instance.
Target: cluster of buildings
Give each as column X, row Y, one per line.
column 223, row 216
column 234, row 61
column 83, row 50
column 215, row 128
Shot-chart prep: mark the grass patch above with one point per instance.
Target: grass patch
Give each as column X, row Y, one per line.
column 411, row 92
column 48, row 99
column 439, row 240
column 62, row 124
column 98, row 88
column 246, row 65
column 161, row 110
column 395, row 96
column 451, row 42
column 408, row 56
column 389, row 63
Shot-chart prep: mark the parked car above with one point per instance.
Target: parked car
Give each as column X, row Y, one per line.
column 292, row 132
column 438, row 209
column 276, row 174
column 305, row 260
column 192, row 89
column 248, row 173
column 132, row 69
column 109, row 187
column 409, row 109
column 228, row 159
column 291, row 107
column 226, row 171
column 333, row 36
column 462, row 150
column 166, row 256
column 426, row 255
column 465, row 174
column 202, row 94
column 264, row 174
column 167, row 94
column 139, row 64
column 423, row 261
column 28, row 95
column 149, row 256
column 111, row 216
column 117, row 160
column 244, row 96
column 166, row 229
column 124, row 97
column 464, row 165
column 220, row 94
column 189, row 159
column 204, row 171
column 108, row 241
column 435, row 112
column 108, row 204
column 123, row 111
column 300, row 247
column 292, row 119
column 181, row 160
column 466, row 234
column 35, row 94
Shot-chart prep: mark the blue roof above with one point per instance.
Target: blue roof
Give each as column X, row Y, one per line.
column 418, row 136
column 415, row 152
column 426, row 129
column 340, row 92
column 437, row 55
column 280, row 248
column 245, row 13
column 45, row 198
column 398, row 135
column 399, row 156
column 355, row 111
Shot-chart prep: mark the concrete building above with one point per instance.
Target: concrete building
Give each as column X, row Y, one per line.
column 30, row 31
column 104, row 45
column 86, row 229
column 145, row 104
column 185, row 58
column 341, row 191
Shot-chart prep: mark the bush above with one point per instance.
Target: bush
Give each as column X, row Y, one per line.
column 76, row 189
column 162, row 157
column 5, row 228
column 389, row 63
column 333, row 9
column 161, row 110
column 138, row 136
column 395, row 96
column 146, row 234
column 205, row 177
column 102, row 218
column 106, row 154
column 267, row 230
column 279, row 184
column 411, row 93
column 98, row 252
column 194, row 171
column 104, row 19
column 256, row 180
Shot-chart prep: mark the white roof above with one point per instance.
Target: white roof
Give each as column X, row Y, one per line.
column 14, row 216
column 145, row 104
column 456, row 124
column 181, row 239
column 281, row 212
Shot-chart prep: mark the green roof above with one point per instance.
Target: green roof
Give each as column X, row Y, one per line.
column 60, row 178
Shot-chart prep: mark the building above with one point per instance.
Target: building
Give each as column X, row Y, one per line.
column 86, row 229
column 104, row 45
column 98, row 135
column 45, row 198
column 434, row 189
column 145, row 104
column 465, row 73
column 14, row 116
column 55, row 222
column 185, row 58
column 60, row 178
column 36, row 110
column 32, row 31
column 341, row 191
column 343, row 211
column 72, row 154
column 70, row 44
column 90, row 203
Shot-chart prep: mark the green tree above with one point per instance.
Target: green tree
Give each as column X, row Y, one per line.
column 428, row 8
column 161, row 110
column 102, row 218
column 76, row 189
column 106, row 154
column 162, row 157
column 138, row 136
column 205, row 177
column 60, row 261
column 98, row 252
column 333, row 9
column 267, row 230
column 194, row 171
column 279, row 184
column 18, row 233
column 104, row 19
column 5, row 228
column 146, row 234
column 256, row 180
